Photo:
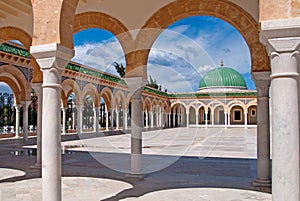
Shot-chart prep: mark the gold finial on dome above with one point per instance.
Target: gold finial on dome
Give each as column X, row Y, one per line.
column 222, row 63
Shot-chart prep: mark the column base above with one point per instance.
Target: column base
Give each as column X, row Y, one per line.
column 137, row 176
column 262, row 185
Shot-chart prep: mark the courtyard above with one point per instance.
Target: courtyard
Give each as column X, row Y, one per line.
column 180, row 164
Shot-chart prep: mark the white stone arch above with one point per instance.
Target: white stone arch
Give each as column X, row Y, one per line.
column 70, row 86
column 16, row 80
column 216, row 103
column 107, row 96
column 233, row 103
column 119, row 97
column 180, row 103
column 91, row 90
column 251, row 103
column 147, row 104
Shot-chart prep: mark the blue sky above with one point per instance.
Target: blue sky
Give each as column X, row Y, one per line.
column 180, row 56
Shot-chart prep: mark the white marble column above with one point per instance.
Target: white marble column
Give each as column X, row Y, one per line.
column 174, row 119
column 117, row 119
column 187, row 120
column 212, row 118
column 63, row 120
column 245, row 120
column 225, row 114
column 125, row 119
column 169, row 120
column 156, row 119
column 197, row 117
column 262, row 82
column 39, row 92
column 206, row 119
column 112, row 119
column 17, row 126
column 135, row 85
column 73, row 116
column 106, row 120
column 96, row 119
column 25, row 119
column 146, row 112
column 79, row 119
column 151, row 119
column 52, row 58
column 284, row 53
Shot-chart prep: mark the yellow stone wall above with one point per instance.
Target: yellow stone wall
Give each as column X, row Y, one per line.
column 279, row 9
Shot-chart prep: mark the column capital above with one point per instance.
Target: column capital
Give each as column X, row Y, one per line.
column 280, row 28
column 283, row 45
column 52, row 55
column 262, row 82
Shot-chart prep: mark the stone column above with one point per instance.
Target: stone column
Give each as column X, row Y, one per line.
column 246, row 119
column 125, row 119
column 151, row 119
column 197, row 117
column 25, row 119
column 187, row 119
column 206, row 119
column 112, row 119
column 96, row 119
column 147, row 126
column 106, row 119
column 174, row 119
column 136, row 85
column 52, row 58
column 225, row 114
column 17, row 129
column 284, row 53
column 169, row 120
column 73, row 116
column 212, row 118
column 117, row 119
column 63, row 120
column 39, row 92
column 79, row 119
column 262, row 81
column 157, row 119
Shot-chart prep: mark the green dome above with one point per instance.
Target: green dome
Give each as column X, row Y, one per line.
column 223, row 77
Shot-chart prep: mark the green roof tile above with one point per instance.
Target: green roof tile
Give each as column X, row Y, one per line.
column 223, row 77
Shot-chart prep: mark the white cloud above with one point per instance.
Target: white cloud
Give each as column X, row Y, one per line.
column 180, row 28
column 100, row 55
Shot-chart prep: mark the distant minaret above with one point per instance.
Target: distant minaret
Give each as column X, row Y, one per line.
column 222, row 63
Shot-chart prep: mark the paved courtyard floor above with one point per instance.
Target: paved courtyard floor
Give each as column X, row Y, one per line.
column 214, row 164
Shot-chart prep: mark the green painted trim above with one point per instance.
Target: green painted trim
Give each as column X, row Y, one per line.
column 155, row 91
column 94, row 73
column 14, row 50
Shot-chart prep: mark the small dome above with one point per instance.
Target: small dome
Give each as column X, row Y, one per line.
column 222, row 77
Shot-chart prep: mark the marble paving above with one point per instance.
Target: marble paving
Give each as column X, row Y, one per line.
column 180, row 164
